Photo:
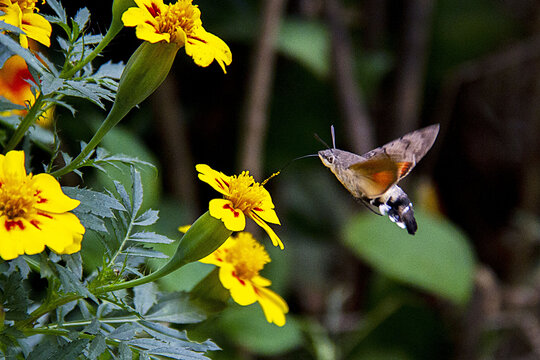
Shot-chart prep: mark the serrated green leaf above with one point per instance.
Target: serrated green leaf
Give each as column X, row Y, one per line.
column 97, row 347
column 82, row 17
column 175, row 308
column 94, row 202
column 14, row 296
column 50, row 83
column 121, row 190
column 149, row 217
column 70, row 283
column 150, row 237
column 20, row 265
column 137, row 191
column 145, row 297
column 58, row 9
column 93, row 327
column 124, row 352
column 72, row 350
column 6, row 105
column 124, row 332
column 176, row 338
column 138, row 251
column 110, row 70
column 438, row 258
column 14, row 47
column 176, row 353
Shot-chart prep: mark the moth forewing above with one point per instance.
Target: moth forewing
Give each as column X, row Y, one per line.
column 410, row 148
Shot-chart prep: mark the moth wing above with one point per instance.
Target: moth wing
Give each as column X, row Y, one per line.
column 408, row 150
column 376, row 175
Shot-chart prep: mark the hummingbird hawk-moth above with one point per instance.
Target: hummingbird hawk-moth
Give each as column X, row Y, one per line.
column 373, row 177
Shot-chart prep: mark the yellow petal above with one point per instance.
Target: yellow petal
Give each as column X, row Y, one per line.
column 13, row 166
column 267, row 213
column 50, row 195
column 273, row 305
column 12, row 14
column 223, row 210
column 218, row 180
column 242, row 291
column 205, row 47
column 275, row 239
column 135, row 16
column 149, row 33
column 37, row 27
column 60, row 232
column 18, row 237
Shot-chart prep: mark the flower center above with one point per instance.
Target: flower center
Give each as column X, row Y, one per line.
column 17, row 199
column 247, row 256
column 27, row 5
column 245, row 193
column 181, row 15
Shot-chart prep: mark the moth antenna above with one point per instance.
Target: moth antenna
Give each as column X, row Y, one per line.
column 285, row 166
column 321, row 140
column 333, row 136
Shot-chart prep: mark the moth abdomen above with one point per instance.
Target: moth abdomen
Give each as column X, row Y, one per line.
column 396, row 204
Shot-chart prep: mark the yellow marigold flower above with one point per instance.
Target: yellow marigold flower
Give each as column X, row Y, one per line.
column 34, row 212
column 178, row 23
column 242, row 197
column 15, row 87
column 239, row 260
column 20, row 13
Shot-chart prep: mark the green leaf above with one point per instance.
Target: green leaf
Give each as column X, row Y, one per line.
column 82, row 17
column 139, row 251
column 71, row 283
column 175, row 308
column 14, row 47
column 308, row 42
column 97, row 347
column 150, row 237
column 149, row 217
column 145, row 297
column 93, row 202
column 124, row 332
column 437, row 259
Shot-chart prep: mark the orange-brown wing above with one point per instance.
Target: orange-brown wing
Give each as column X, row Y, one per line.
column 407, row 151
column 376, row 175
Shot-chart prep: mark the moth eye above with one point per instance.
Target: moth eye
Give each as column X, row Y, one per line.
column 331, row 159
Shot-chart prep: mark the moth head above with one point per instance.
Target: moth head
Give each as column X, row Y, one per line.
column 328, row 157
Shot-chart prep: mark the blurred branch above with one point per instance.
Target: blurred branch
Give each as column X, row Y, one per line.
column 178, row 163
column 357, row 122
column 410, row 73
column 259, row 86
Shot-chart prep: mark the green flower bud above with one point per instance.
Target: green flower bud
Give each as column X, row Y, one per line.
column 144, row 72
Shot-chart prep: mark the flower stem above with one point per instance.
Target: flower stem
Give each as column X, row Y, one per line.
column 29, row 119
column 115, row 115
